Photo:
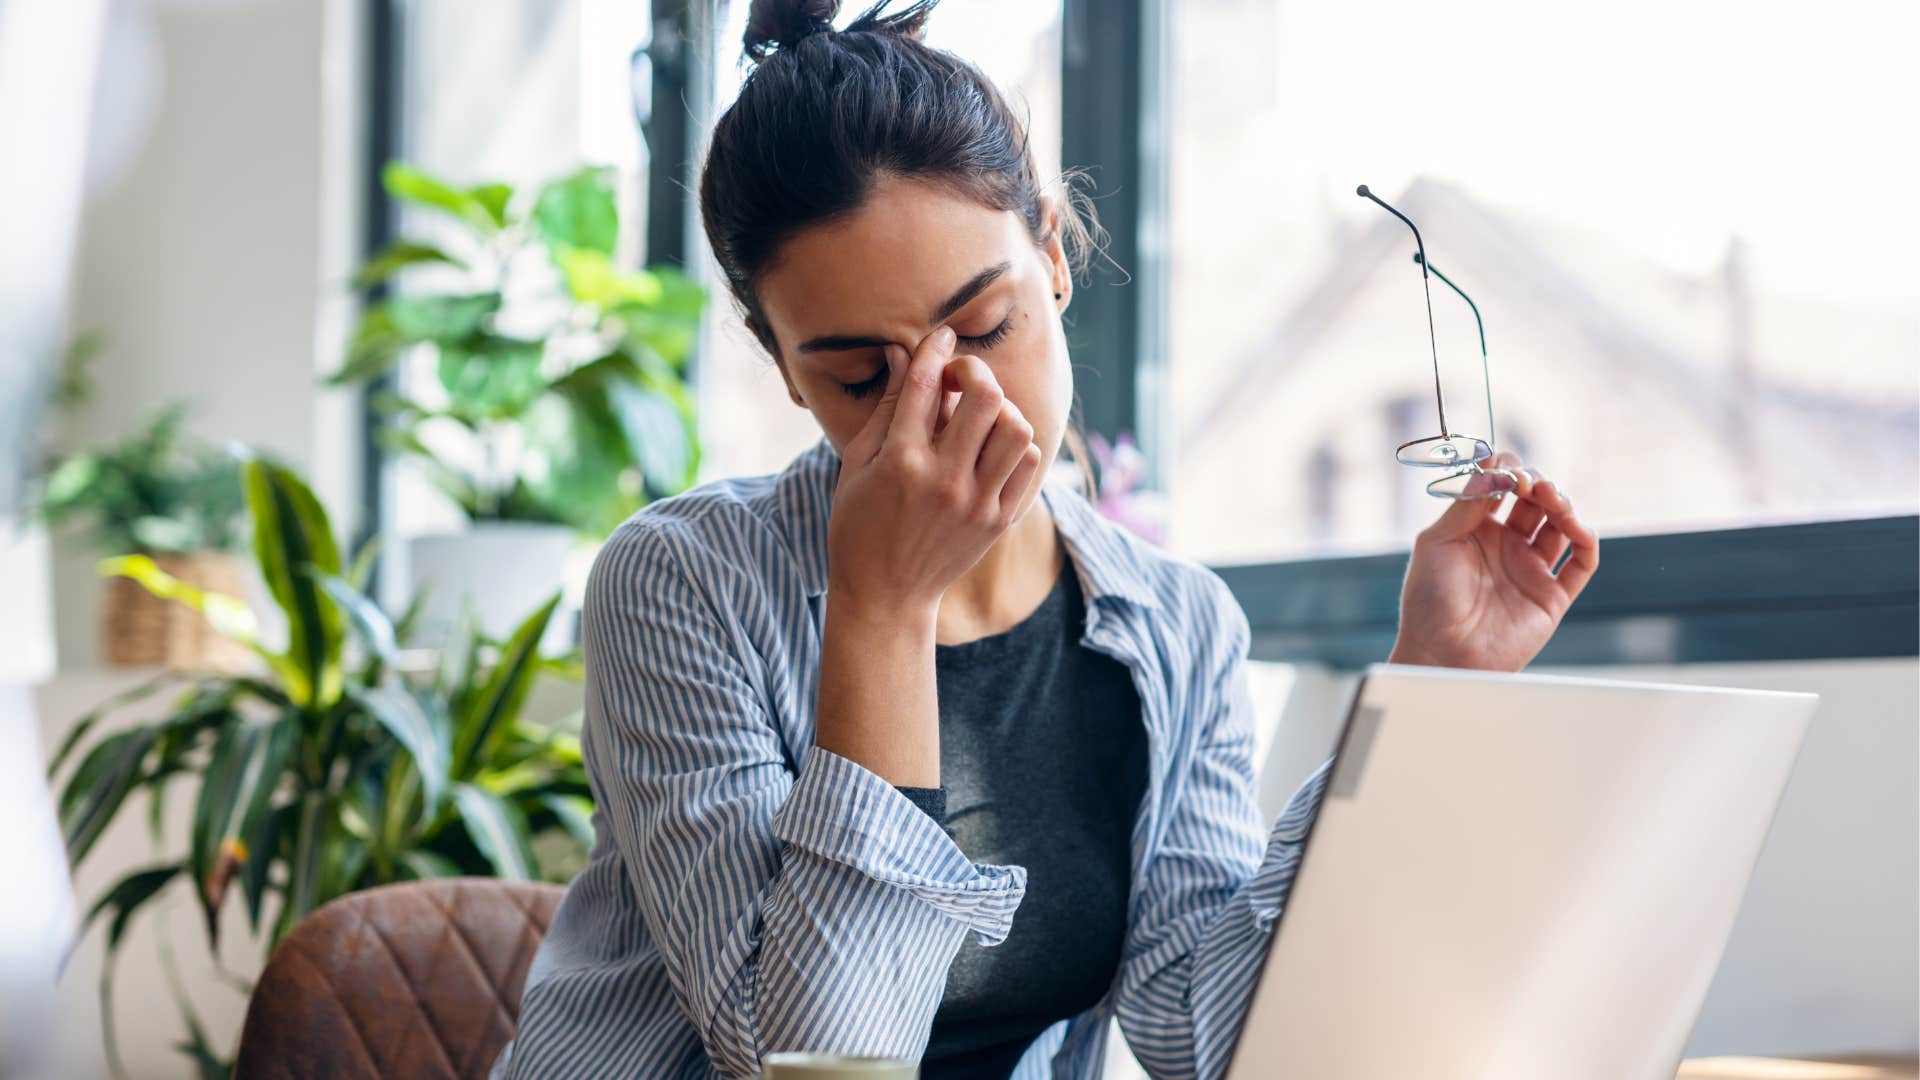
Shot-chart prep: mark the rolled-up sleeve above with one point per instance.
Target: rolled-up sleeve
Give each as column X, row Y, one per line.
column 1206, row 906
column 814, row 909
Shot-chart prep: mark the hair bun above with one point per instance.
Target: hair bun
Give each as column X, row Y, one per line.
column 773, row 25
column 776, row 25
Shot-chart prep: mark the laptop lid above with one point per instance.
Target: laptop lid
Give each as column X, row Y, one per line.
column 1519, row 876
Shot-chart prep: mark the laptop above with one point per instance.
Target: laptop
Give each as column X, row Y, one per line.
column 1515, row 877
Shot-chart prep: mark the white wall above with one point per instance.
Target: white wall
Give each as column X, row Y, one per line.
column 220, row 226
column 1825, row 954
column 222, row 157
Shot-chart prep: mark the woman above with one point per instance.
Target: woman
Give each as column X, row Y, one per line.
column 905, row 751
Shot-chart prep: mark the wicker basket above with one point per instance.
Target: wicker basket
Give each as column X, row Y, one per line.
column 139, row 629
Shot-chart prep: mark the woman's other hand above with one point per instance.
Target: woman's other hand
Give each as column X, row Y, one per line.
column 1481, row 593
column 922, row 495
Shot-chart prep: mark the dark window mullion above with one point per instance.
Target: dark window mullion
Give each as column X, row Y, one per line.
column 1111, row 123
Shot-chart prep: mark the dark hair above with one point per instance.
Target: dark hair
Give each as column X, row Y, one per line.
column 826, row 113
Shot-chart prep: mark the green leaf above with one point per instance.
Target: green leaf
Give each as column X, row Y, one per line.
column 244, row 771
column 86, row 723
column 163, row 534
column 592, row 278
column 579, row 211
column 497, row 829
column 70, row 482
column 658, row 424
column 228, row 615
column 410, row 184
column 263, row 851
column 410, row 618
column 219, row 787
column 346, row 860
column 360, row 571
column 304, row 874
column 292, row 537
column 670, row 337
column 493, row 198
column 377, row 344
column 98, row 787
column 423, row 865
column 441, row 319
column 575, row 815
column 196, row 1046
column 491, row 377
column 367, row 618
column 506, row 688
column 398, row 256
column 125, row 897
column 458, row 655
column 426, row 742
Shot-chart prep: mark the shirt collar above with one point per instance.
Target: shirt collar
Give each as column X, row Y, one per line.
column 1111, row 563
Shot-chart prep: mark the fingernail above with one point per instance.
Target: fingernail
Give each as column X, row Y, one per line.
column 945, row 336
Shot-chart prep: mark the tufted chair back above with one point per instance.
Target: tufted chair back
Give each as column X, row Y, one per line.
column 418, row 980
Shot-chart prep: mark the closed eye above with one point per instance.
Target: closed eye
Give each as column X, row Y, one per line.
column 878, row 382
column 992, row 337
column 867, row 388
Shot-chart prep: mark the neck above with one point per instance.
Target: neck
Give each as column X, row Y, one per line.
column 1008, row 582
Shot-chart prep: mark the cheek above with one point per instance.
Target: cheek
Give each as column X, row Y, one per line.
column 1038, row 377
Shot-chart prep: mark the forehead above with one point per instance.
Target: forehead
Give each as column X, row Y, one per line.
column 888, row 264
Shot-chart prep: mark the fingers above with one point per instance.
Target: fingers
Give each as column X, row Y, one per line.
column 1580, row 567
column 1560, row 530
column 1527, row 514
column 1009, row 441
column 981, row 404
column 1551, row 543
column 1025, row 474
column 873, row 433
column 988, row 435
column 918, row 403
column 1569, row 533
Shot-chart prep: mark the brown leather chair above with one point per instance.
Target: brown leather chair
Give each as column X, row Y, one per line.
column 419, row 980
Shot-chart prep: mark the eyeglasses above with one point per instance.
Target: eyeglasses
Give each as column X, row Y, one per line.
column 1452, row 450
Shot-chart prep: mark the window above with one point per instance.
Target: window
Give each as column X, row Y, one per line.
column 1700, row 311
column 748, row 424
column 525, row 93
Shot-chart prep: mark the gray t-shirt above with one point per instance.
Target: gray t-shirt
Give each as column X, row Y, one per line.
column 1043, row 763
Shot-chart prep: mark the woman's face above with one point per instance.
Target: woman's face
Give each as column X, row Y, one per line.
column 913, row 258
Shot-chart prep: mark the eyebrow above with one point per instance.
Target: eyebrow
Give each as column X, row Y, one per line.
column 961, row 297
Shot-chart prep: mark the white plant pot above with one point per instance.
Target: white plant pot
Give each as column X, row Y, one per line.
column 502, row 569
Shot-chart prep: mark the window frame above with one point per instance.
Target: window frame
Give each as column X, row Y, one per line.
column 1822, row 590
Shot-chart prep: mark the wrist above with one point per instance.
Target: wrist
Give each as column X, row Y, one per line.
column 877, row 704
column 887, row 616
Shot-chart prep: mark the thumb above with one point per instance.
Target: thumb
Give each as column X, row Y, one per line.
column 873, row 435
column 1466, row 515
column 1462, row 517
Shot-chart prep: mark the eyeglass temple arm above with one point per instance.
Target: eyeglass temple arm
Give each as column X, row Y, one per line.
column 1417, row 242
column 1480, row 325
column 1439, row 401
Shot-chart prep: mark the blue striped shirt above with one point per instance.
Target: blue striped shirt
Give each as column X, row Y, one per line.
column 751, row 892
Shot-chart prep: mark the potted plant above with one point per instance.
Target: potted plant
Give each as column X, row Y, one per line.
column 165, row 495
column 340, row 767
column 541, row 388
